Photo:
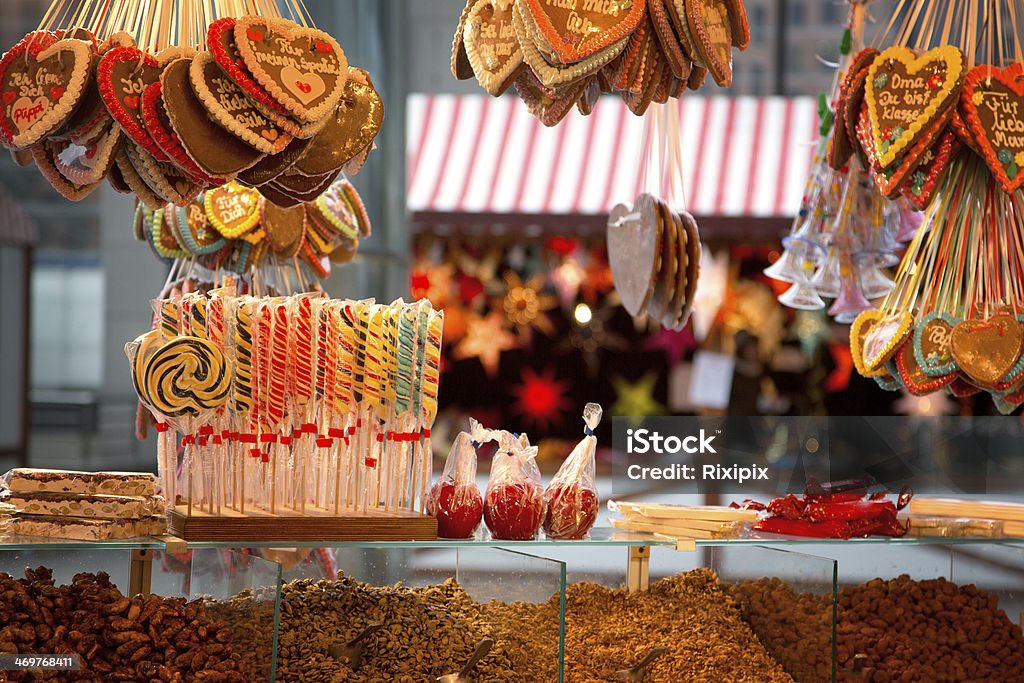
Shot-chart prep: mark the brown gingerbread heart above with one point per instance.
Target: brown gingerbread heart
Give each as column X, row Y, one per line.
column 986, row 350
column 217, row 154
column 633, row 243
column 491, row 45
column 231, row 109
column 304, row 69
column 352, row 127
column 284, row 227
column 42, row 80
column 707, row 32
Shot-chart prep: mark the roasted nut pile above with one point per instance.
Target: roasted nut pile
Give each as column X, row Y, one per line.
column 426, row 632
column 607, row 630
column 119, row 638
column 795, row 628
column 929, row 630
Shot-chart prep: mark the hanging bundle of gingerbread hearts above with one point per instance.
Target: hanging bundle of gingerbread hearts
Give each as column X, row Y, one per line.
column 654, row 253
column 234, row 228
column 268, row 103
column 560, row 55
column 949, row 136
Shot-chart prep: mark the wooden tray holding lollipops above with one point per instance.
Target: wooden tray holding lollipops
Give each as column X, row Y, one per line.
column 300, row 417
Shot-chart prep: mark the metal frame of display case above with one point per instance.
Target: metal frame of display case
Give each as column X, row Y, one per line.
column 637, row 545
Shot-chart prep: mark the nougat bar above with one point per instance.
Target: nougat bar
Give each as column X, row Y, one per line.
column 82, row 529
column 96, row 505
column 29, row 479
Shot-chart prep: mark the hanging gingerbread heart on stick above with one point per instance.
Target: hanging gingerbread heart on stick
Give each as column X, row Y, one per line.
column 905, row 95
column 992, row 105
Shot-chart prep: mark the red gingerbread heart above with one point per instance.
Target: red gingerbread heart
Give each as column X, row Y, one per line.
column 42, row 80
column 123, row 75
column 284, row 59
column 575, row 32
column 992, row 104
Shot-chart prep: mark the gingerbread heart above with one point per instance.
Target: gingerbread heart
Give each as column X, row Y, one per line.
column 491, row 45
column 577, row 30
column 217, row 154
column 122, row 76
column 220, row 41
column 349, row 130
column 890, row 179
column 992, row 104
column 158, row 125
column 284, row 227
column 919, row 186
column 233, row 210
column 912, row 374
column 987, row 350
column 859, row 330
column 460, row 66
column 88, row 164
column 168, row 181
column 231, row 109
column 884, row 337
column 42, row 80
column 303, row 69
column 43, row 154
column 707, row 32
column 549, row 75
column 931, row 343
column 905, row 95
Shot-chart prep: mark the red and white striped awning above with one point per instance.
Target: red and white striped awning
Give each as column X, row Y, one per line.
column 743, row 156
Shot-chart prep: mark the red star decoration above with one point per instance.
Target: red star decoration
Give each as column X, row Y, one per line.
column 674, row 344
column 541, row 399
column 839, row 379
column 597, row 280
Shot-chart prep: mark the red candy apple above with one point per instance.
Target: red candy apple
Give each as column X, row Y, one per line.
column 458, row 508
column 514, row 510
column 571, row 510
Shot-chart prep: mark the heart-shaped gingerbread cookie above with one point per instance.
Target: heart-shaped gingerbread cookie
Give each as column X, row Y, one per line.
column 707, row 32
column 987, row 350
column 633, row 243
column 931, row 343
column 491, row 45
column 122, row 76
column 992, row 104
column 217, row 154
column 884, row 337
column 158, row 125
column 89, row 163
column 43, row 153
column 304, row 69
column 42, row 80
column 349, row 130
column 913, row 376
column 919, row 186
column 231, row 109
column 232, row 210
column 905, row 94
column 577, row 30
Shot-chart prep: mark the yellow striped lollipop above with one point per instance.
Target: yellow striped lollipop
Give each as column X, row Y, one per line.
column 432, row 368
column 371, row 336
column 243, row 356
column 170, row 316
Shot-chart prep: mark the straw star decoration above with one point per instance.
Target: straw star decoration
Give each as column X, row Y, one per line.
column 486, row 339
column 526, row 307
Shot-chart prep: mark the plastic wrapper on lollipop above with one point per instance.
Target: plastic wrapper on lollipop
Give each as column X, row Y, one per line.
column 571, row 497
column 514, row 501
column 455, row 499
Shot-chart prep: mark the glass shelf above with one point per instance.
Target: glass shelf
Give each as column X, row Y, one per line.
column 599, row 537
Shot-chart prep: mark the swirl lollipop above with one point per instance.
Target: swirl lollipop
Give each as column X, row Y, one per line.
column 139, row 352
column 186, row 378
